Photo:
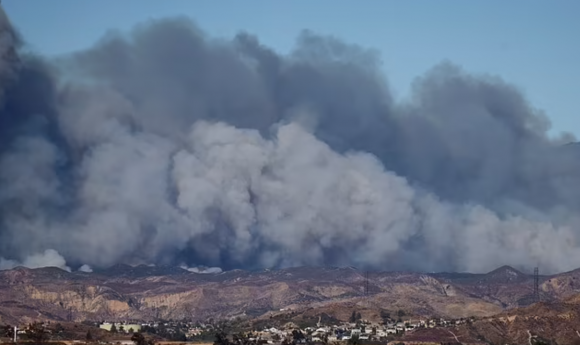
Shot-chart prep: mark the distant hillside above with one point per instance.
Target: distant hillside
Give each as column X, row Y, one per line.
column 147, row 292
column 558, row 322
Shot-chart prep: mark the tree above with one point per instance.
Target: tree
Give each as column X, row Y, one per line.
column 297, row 336
column 241, row 339
column 8, row 331
column 113, row 329
column 37, row 333
column 138, row 339
column 401, row 313
column 180, row 336
column 385, row 315
column 131, row 330
column 59, row 328
column 358, row 316
column 89, row 336
column 221, row 338
column 352, row 317
column 121, row 329
column 354, row 340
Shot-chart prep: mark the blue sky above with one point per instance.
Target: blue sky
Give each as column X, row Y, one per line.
column 532, row 44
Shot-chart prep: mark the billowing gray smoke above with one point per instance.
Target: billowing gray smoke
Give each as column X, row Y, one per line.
column 168, row 147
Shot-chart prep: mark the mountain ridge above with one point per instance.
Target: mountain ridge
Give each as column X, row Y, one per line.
column 121, row 268
column 149, row 292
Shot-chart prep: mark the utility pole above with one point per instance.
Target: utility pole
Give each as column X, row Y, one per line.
column 15, row 333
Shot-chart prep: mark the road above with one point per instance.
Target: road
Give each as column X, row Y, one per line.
column 453, row 334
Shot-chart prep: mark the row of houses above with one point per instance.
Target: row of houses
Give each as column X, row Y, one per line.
column 121, row 327
column 363, row 330
column 189, row 329
column 347, row 331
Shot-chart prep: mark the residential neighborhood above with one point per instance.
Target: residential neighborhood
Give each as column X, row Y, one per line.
column 354, row 332
column 402, row 330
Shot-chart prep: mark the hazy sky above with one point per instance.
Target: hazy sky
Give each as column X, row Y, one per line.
column 533, row 44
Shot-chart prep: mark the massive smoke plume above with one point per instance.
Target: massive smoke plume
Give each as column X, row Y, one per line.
column 165, row 146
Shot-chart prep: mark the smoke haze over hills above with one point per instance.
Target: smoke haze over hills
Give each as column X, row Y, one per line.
column 165, row 146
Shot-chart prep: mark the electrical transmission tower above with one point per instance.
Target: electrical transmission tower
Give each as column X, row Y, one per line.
column 367, row 283
column 536, row 285
column 367, row 288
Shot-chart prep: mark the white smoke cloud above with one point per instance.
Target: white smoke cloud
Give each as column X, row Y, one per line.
column 286, row 201
column 48, row 258
column 297, row 196
column 203, row 270
column 85, row 268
